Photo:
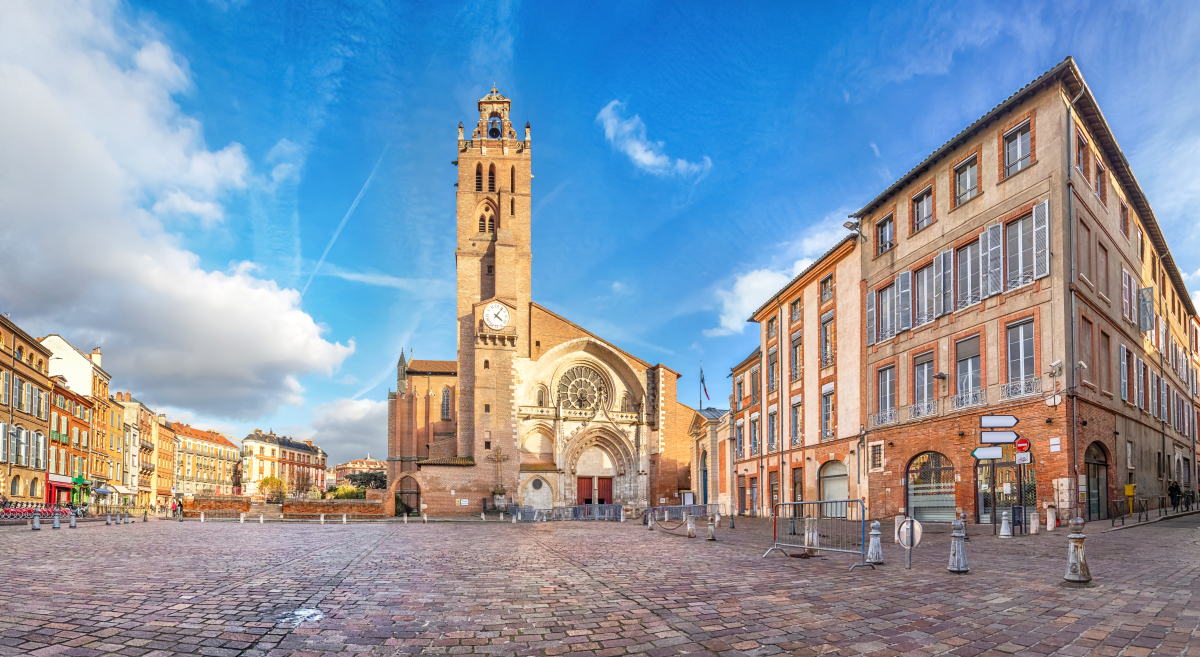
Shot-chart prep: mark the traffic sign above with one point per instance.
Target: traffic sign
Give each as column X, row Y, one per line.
column 985, row 453
column 910, row 525
column 997, row 437
column 1024, row 458
column 997, row 421
column 1022, row 444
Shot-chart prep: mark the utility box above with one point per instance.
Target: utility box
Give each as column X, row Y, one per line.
column 1130, row 493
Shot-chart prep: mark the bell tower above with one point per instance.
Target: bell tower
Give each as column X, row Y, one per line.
column 493, row 267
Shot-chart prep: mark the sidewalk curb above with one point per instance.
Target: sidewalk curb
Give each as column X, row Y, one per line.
column 1149, row 522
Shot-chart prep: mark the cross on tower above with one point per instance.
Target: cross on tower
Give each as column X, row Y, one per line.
column 498, row 458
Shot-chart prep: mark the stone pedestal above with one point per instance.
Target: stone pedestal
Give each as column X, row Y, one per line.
column 1034, row 522
column 875, row 550
column 1005, row 524
column 1077, row 568
column 958, row 548
column 1051, row 518
column 691, row 525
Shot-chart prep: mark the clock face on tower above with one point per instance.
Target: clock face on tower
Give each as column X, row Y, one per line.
column 495, row 316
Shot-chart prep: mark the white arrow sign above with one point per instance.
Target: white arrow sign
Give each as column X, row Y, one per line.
column 997, row 421
column 984, row 453
column 997, row 437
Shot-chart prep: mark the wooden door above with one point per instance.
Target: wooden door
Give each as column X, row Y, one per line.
column 605, row 494
column 585, row 490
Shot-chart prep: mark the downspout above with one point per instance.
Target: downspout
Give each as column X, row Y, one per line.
column 1071, row 320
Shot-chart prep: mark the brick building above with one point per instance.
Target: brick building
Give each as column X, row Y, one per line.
column 162, row 434
column 797, row 418
column 301, row 465
column 204, row 461
column 70, row 431
column 535, row 409
column 357, row 466
column 25, row 387
column 1019, row 270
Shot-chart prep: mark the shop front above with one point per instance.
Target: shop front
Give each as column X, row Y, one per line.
column 58, row 489
column 79, row 491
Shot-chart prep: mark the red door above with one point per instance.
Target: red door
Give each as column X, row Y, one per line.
column 585, row 490
column 605, row 494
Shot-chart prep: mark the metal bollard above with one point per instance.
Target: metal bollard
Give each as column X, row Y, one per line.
column 712, row 529
column 343, row 518
column 108, row 518
column 1033, row 522
column 145, row 515
column 1005, row 524
column 57, row 524
column 812, row 536
column 37, row 521
column 691, row 525
column 731, row 520
column 322, row 518
column 963, row 517
column 958, row 548
column 875, row 550
column 1077, row 568
column 73, row 525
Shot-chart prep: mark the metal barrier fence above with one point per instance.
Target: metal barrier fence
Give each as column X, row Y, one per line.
column 676, row 512
column 588, row 512
column 827, row 526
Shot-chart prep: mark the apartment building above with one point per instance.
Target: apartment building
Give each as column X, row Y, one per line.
column 357, row 466
column 25, row 387
column 162, row 434
column 810, row 347
column 70, row 431
column 140, row 458
column 1019, row 270
column 300, row 465
column 205, row 461
column 85, row 375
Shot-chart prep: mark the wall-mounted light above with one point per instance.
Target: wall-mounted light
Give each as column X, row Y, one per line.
column 961, row 433
column 1049, row 420
column 940, row 375
column 1083, row 423
column 1116, row 433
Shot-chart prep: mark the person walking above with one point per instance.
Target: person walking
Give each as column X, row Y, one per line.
column 1176, row 492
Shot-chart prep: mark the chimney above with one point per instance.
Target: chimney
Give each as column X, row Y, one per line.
column 308, row 442
column 96, row 357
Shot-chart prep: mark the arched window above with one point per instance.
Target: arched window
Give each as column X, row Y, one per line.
column 491, row 177
column 479, row 177
column 445, row 403
column 931, row 488
column 491, row 224
column 15, row 488
column 512, row 180
column 1096, row 463
column 541, row 397
column 482, row 223
column 486, row 365
column 20, row 353
column 33, row 487
column 512, row 206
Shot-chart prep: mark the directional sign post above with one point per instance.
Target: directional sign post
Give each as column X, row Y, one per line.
column 997, row 437
column 986, row 453
column 997, row 421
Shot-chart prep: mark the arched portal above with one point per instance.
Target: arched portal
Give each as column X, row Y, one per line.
column 600, row 468
column 408, row 496
column 1096, row 462
column 931, row 488
column 835, row 481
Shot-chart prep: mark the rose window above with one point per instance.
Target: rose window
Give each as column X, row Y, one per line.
column 582, row 388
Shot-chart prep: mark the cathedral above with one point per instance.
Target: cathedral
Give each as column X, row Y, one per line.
column 536, row 410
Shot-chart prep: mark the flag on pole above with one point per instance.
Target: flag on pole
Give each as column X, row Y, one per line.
column 702, row 387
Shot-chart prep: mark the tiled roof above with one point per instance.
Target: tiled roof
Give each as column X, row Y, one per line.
column 449, row 460
column 433, row 366
column 754, row 355
column 814, row 265
column 712, row 413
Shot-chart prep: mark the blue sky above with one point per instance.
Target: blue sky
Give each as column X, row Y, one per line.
column 249, row 206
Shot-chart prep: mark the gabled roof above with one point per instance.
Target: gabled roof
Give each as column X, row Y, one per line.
column 443, row 367
column 817, row 263
column 753, row 357
column 1088, row 109
column 624, row 353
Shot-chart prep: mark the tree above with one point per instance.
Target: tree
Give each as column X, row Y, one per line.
column 302, row 481
column 372, row 479
column 271, row 487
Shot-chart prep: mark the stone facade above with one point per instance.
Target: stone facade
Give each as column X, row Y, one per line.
column 25, row 403
column 535, row 410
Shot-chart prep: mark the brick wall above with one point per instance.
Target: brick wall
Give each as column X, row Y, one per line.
column 192, row 506
column 334, row 507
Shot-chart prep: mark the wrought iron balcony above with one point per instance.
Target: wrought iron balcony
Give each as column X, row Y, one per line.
column 923, row 317
column 1018, row 278
column 826, row 294
column 923, row 409
column 827, row 434
column 967, row 194
column 885, row 332
column 1022, row 388
column 884, row 417
column 968, row 299
column 772, row 383
column 969, row 399
column 827, row 357
column 146, row 444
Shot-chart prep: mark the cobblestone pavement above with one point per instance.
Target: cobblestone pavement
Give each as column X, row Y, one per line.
column 600, row 589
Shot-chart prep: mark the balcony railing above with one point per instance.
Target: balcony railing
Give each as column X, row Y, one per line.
column 146, row 444
column 969, row 399
column 886, row 246
column 827, row 434
column 753, row 449
column 772, row 331
column 923, row 409
column 772, row 383
column 1016, row 279
column 884, row 417
column 968, row 299
column 923, row 317
column 967, row 194
column 827, row 357
column 1016, row 166
column 795, row 373
column 826, row 294
column 885, row 332
column 796, row 316
column 1022, row 388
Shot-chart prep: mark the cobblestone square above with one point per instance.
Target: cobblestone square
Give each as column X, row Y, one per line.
column 601, row 589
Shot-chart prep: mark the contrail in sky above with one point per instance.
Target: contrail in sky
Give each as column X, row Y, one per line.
column 346, row 218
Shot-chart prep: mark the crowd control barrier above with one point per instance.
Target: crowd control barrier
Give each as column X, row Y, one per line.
column 826, row 526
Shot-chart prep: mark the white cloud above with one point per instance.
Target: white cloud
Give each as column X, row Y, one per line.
column 619, row 289
column 629, row 137
column 751, row 289
column 422, row 287
column 876, row 149
column 349, row 428
column 92, row 148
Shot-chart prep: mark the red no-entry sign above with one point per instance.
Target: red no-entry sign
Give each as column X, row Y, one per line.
column 1022, row 444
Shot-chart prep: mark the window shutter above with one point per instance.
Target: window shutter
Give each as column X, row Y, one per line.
column 994, row 261
column 1124, row 375
column 3, row 442
column 937, row 285
column 1140, row 385
column 1146, row 309
column 947, row 276
column 1041, row 240
column 904, row 303
column 870, row 317
column 1125, row 294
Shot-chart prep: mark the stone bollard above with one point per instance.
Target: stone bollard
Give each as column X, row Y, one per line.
column 1051, row 518
column 406, row 518
column 501, row 516
column 958, row 549
column 622, row 512
column 73, row 525
column 963, row 517
column 691, row 525
column 899, row 521
column 343, row 518
column 481, row 516
column 514, row 518
column 201, row 516
column 1005, row 524
column 1033, row 522
column 57, row 524
column 108, row 518
column 322, row 518
column 145, row 515
column 425, row 518
column 812, row 537
column 875, row 550
column 37, row 521
column 1077, row 568
column 260, row 518
column 241, row 518
column 718, row 518
column 650, row 521
column 712, row 529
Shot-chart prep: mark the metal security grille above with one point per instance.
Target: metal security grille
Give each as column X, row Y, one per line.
column 931, row 488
